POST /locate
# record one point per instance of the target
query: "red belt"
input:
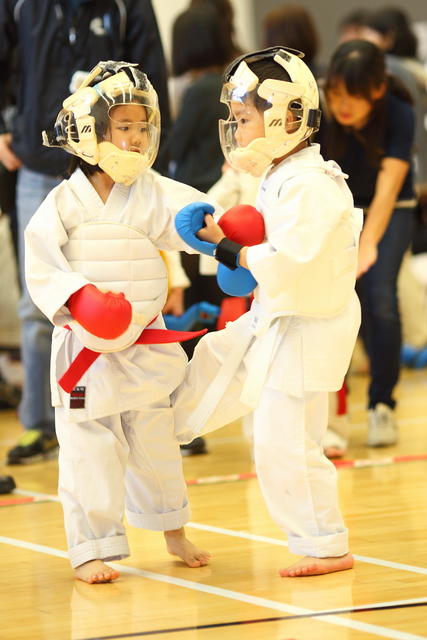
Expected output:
(87, 357)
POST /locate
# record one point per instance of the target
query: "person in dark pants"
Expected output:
(370, 132)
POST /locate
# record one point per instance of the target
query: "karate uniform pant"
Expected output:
(298, 482)
(127, 463)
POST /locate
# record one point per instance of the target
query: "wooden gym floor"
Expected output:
(240, 595)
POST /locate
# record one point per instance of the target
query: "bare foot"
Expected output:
(334, 452)
(317, 566)
(96, 571)
(179, 545)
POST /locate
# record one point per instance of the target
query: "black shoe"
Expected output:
(34, 445)
(10, 395)
(7, 484)
(194, 448)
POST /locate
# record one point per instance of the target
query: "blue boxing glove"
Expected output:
(189, 220)
(237, 283)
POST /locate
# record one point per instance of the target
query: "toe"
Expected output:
(203, 558)
(195, 562)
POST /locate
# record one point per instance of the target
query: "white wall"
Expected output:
(167, 10)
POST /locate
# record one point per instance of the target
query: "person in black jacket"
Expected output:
(55, 41)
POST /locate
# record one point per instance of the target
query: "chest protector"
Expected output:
(116, 257)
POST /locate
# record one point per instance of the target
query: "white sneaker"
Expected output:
(382, 427)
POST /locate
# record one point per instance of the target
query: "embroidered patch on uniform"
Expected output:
(77, 398)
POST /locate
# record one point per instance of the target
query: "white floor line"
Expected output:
(391, 565)
(283, 543)
(256, 538)
(331, 618)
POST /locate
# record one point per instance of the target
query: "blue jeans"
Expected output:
(35, 410)
(377, 289)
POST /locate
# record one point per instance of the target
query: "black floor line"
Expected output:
(156, 632)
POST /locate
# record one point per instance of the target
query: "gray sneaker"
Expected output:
(382, 427)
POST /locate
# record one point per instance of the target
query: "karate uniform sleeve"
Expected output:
(49, 277)
(226, 191)
(171, 196)
(234, 187)
(298, 227)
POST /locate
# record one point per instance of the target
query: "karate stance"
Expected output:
(94, 268)
(294, 345)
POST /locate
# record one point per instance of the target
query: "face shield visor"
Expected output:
(266, 119)
(128, 131)
(129, 128)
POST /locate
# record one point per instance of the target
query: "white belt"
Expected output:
(263, 354)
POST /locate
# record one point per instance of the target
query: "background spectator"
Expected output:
(369, 132)
(292, 25)
(390, 29)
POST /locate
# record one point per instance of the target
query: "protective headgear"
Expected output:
(290, 109)
(112, 120)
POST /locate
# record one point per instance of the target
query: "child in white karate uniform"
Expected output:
(294, 345)
(93, 266)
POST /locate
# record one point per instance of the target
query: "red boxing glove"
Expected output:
(243, 224)
(105, 315)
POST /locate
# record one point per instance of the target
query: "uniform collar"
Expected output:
(92, 201)
(309, 157)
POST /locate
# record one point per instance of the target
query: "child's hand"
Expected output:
(212, 232)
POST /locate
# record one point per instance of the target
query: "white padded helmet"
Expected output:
(298, 96)
(82, 126)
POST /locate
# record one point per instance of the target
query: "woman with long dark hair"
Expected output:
(368, 129)
(390, 29)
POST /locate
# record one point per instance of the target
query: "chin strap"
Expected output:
(313, 119)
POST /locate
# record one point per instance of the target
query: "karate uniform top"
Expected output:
(306, 271)
(305, 314)
(124, 379)
(299, 334)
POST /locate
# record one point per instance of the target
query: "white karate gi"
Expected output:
(121, 445)
(291, 348)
